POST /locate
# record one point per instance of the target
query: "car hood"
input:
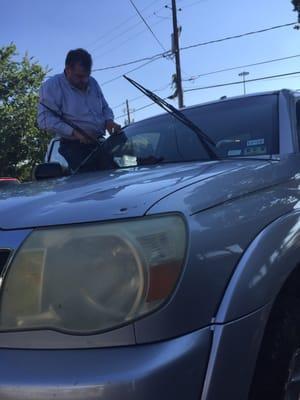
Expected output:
(105, 195)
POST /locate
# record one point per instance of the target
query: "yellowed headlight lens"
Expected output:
(93, 277)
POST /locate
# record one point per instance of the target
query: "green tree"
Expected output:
(22, 143)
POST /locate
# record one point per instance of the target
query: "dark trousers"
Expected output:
(75, 152)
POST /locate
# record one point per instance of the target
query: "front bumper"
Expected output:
(172, 369)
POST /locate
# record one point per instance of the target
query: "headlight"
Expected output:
(93, 277)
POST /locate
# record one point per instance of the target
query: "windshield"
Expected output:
(242, 127)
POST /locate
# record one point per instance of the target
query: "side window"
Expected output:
(154, 137)
(145, 145)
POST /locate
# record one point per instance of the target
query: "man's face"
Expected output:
(78, 76)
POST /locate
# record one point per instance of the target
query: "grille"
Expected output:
(4, 255)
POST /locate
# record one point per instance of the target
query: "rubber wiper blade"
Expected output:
(249, 158)
(206, 141)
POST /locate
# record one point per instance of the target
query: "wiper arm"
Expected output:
(204, 139)
(70, 123)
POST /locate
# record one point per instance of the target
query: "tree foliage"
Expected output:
(22, 143)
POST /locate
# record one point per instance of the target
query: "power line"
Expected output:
(215, 72)
(285, 78)
(106, 43)
(241, 66)
(167, 53)
(120, 34)
(234, 36)
(132, 70)
(240, 82)
(139, 109)
(159, 55)
(290, 74)
(214, 41)
(148, 26)
(237, 36)
(126, 41)
(184, 6)
(116, 27)
(141, 97)
(160, 16)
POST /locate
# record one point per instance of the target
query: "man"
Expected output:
(78, 97)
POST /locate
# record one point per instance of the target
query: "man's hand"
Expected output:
(112, 127)
(83, 139)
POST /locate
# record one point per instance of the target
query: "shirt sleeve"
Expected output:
(106, 110)
(50, 94)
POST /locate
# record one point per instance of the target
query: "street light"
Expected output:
(243, 75)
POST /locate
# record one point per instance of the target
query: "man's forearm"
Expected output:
(53, 124)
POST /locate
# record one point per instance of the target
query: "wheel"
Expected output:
(277, 373)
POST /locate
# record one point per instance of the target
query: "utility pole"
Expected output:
(243, 75)
(128, 112)
(177, 55)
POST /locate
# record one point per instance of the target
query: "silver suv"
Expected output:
(173, 276)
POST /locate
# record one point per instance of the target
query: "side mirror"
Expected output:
(48, 171)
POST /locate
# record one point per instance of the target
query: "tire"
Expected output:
(279, 350)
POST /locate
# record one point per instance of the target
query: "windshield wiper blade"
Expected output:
(249, 158)
(205, 139)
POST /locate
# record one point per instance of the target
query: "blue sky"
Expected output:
(113, 33)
